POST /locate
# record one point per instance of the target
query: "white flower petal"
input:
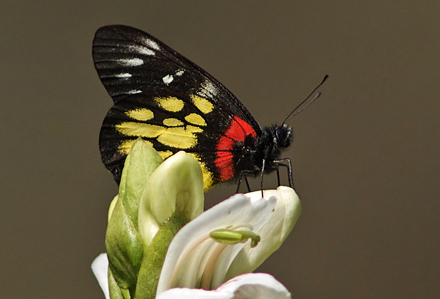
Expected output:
(273, 234)
(255, 286)
(194, 259)
(100, 269)
(247, 286)
(184, 293)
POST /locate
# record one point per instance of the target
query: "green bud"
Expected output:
(124, 244)
(155, 200)
(176, 185)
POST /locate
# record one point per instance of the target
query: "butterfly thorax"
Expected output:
(268, 147)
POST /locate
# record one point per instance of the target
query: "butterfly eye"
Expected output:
(283, 135)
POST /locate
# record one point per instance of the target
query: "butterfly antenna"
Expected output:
(304, 104)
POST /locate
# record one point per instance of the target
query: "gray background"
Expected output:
(365, 154)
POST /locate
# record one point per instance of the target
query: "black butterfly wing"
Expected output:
(167, 100)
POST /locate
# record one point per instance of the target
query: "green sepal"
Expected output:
(115, 291)
(140, 163)
(154, 256)
(124, 248)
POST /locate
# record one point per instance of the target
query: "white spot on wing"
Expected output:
(151, 43)
(131, 62)
(168, 79)
(180, 73)
(208, 90)
(134, 91)
(123, 75)
(143, 50)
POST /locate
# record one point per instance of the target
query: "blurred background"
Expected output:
(365, 154)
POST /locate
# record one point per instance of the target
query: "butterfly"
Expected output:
(174, 105)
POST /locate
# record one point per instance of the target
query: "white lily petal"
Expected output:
(247, 286)
(100, 269)
(274, 232)
(194, 259)
(184, 293)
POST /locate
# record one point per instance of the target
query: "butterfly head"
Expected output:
(275, 139)
(283, 135)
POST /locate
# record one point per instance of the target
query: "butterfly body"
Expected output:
(174, 105)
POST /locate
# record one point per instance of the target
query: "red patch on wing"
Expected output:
(237, 131)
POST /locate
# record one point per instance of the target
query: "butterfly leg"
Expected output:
(247, 183)
(243, 174)
(278, 176)
(285, 162)
(263, 167)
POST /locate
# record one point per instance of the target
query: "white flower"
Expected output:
(246, 286)
(196, 262)
(250, 285)
(100, 269)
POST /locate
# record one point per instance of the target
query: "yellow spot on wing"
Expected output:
(207, 175)
(165, 154)
(142, 114)
(171, 104)
(195, 119)
(193, 129)
(172, 122)
(178, 137)
(202, 104)
(125, 146)
(139, 129)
